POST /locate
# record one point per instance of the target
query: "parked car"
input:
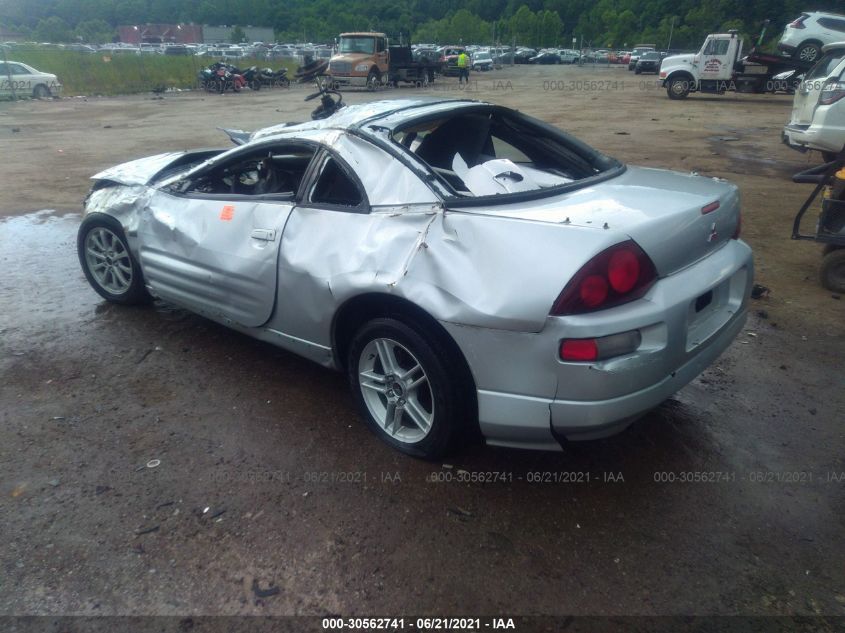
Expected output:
(569, 56)
(448, 58)
(804, 37)
(519, 283)
(648, 63)
(24, 80)
(177, 49)
(523, 55)
(482, 61)
(818, 108)
(546, 57)
(635, 55)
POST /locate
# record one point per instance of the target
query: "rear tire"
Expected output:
(808, 52)
(832, 272)
(107, 262)
(408, 388)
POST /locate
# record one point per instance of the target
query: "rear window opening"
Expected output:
(826, 65)
(491, 152)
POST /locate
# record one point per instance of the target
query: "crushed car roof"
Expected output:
(388, 112)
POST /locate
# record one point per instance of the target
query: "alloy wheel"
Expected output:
(108, 260)
(396, 390)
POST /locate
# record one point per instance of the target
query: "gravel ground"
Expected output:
(270, 497)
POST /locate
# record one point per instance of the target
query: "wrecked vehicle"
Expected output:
(472, 269)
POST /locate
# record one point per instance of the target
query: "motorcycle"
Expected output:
(273, 78)
(252, 77)
(223, 77)
(328, 103)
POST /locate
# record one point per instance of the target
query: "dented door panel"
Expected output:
(213, 256)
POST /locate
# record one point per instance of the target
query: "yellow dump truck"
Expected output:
(367, 60)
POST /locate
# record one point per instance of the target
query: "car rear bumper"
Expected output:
(819, 135)
(787, 48)
(528, 398)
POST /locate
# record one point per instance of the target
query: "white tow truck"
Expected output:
(719, 67)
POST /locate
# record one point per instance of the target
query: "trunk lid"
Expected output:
(672, 216)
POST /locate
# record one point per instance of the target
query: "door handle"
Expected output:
(265, 235)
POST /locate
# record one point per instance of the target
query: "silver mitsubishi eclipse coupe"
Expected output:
(473, 270)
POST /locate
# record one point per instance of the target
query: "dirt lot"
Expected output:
(267, 475)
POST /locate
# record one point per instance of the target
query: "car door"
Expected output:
(717, 58)
(215, 251)
(15, 78)
(831, 29)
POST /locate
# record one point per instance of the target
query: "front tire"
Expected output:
(373, 80)
(41, 92)
(678, 88)
(406, 385)
(107, 262)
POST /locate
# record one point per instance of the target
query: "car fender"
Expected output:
(677, 74)
(458, 267)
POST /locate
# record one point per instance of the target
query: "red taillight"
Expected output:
(593, 291)
(579, 349)
(798, 24)
(617, 275)
(832, 91)
(623, 270)
(738, 229)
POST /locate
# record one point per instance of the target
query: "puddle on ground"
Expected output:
(737, 145)
(42, 286)
(42, 281)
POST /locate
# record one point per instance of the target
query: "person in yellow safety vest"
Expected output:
(463, 67)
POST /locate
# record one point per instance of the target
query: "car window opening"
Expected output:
(335, 187)
(483, 154)
(268, 171)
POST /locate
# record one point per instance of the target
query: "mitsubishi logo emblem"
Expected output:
(713, 233)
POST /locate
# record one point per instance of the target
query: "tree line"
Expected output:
(596, 23)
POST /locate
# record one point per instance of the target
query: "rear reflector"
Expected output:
(581, 349)
(710, 208)
(593, 349)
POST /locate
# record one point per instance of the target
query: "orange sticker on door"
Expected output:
(227, 213)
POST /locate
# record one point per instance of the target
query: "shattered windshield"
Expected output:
(357, 45)
(493, 152)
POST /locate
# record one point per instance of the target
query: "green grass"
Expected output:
(107, 73)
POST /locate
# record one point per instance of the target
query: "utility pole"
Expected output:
(671, 29)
